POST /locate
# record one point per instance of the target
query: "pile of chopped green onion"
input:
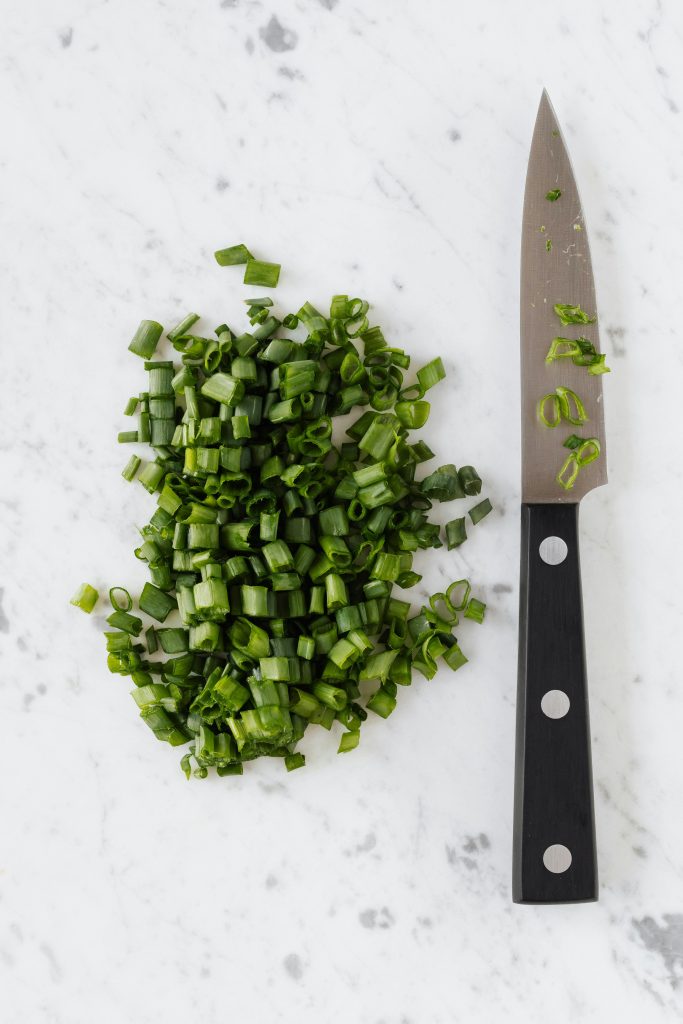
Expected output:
(276, 548)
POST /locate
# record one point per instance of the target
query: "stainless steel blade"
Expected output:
(556, 267)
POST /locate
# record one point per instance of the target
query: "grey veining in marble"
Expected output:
(374, 148)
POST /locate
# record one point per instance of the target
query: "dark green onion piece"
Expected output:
(155, 602)
(455, 533)
(261, 273)
(553, 195)
(146, 338)
(232, 256)
(478, 512)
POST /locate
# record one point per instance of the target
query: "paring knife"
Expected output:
(554, 858)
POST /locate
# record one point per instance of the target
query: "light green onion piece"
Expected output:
(85, 598)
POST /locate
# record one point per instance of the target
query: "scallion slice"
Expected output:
(275, 544)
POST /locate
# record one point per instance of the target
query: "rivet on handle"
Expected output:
(553, 550)
(557, 858)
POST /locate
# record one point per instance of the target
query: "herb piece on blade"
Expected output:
(572, 314)
(277, 541)
(553, 195)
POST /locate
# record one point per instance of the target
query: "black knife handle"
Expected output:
(553, 779)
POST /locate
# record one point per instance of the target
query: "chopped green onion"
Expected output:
(146, 338)
(232, 256)
(278, 543)
(572, 314)
(131, 467)
(155, 602)
(478, 512)
(348, 741)
(553, 195)
(455, 533)
(261, 273)
(85, 598)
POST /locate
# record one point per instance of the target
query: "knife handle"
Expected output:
(553, 779)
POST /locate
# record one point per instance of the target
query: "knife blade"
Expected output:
(554, 850)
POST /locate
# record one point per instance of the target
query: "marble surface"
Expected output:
(377, 148)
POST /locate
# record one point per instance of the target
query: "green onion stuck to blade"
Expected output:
(275, 547)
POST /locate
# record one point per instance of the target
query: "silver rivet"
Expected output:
(552, 550)
(555, 704)
(557, 858)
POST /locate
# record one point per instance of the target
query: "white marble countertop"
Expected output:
(377, 148)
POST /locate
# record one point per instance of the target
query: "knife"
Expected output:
(554, 857)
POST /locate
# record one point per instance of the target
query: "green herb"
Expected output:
(265, 274)
(561, 401)
(232, 256)
(275, 546)
(478, 512)
(581, 351)
(572, 314)
(553, 195)
(582, 454)
(548, 245)
(85, 598)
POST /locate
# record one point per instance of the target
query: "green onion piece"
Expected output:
(562, 348)
(573, 442)
(182, 327)
(155, 602)
(120, 604)
(412, 414)
(572, 314)
(567, 475)
(588, 451)
(126, 436)
(131, 407)
(475, 610)
(131, 467)
(553, 195)
(261, 273)
(454, 657)
(126, 622)
(556, 415)
(478, 512)
(566, 395)
(85, 598)
(294, 761)
(223, 388)
(431, 374)
(348, 741)
(146, 338)
(598, 366)
(382, 703)
(455, 533)
(470, 481)
(443, 485)
(232, 256)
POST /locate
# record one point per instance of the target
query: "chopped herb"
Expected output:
(561, 404)
(577, 227)
(548, 245)
(276, 546)
(85, 598)
(581, 351)
(572, 314)
(553, 195)
(555, 133)
(583, 454)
